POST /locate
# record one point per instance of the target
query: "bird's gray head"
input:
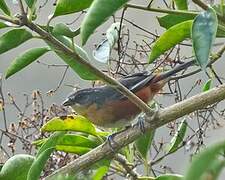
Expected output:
(79, 98)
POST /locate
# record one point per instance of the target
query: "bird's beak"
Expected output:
(67, 102)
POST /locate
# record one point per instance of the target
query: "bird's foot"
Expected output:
(141, 123)
(111, 141)
(141, 119)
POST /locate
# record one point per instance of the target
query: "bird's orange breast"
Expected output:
(120, 112)
(117, 113)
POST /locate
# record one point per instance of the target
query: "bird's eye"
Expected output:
(82, 99)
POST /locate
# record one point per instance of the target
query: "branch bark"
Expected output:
(124, 138)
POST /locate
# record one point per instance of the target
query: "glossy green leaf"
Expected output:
(38, 165)
(72, 140)
(30, 3)
(100, 173)
(203, 35)
(78, 67)
(25, 59)
(43, 155)
(4, 7)
(73, 149)
(169, 177)
(170, 20)
(181, 4)
(170, 38)
(203, 161)
(62, 29)
(51, 142)
(143, 144)
(13, 38)
(178, 137)
(77, 140)
(3, 25)
(99, 12)
(70, 123)
(207, 85)
(71, 6)
(16, 167)
(103, 133)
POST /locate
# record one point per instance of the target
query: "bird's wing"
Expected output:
(133, 82)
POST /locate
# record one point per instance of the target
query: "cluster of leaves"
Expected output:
(202, 28)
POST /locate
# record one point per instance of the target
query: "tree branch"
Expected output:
(124, 163)
(124, 138)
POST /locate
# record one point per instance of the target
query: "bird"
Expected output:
(106, 107)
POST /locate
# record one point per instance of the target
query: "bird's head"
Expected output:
(79, 100)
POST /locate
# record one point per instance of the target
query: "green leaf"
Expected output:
(73, 149)
(70, 6)
(203, 35)
(143, 143)
(220, 31)
(38, 165)
(71, 140)
(169, 177)
(30, 3)
(170, 38)
(3, 25)
(77, 140)
(51, 142)
(178, 137)
(4, 7)
(16, 167)
(43, 155)
(78, 67)
(100, 169)
(214, 170)
(25, 59)
(13, 38)
(100, 173)
(203, 161)
(181, 4)
(99, 12)
(207, 85)
(219, 8)
(62, 29)
(70, 123)
(170, 20)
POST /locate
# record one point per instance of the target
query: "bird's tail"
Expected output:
(168, 74)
